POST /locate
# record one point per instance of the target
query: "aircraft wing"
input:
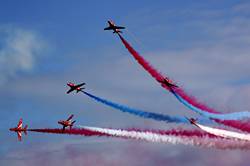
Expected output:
(71, 116)
(108, 28)
(70, 90)
(173, 85)
(118, 27)
(79, 85)
(20, 123)
(19, 135)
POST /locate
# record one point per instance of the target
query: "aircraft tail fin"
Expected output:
(72, 123)
(80, 90)
(117, 31)
(25, 132)
(70, 117)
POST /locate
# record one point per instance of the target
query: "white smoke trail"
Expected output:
(147, 136)
(224, 133)
(206, 142)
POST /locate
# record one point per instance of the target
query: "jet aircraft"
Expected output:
(168, 83)
(112, 26)
(67, 123)
(192, 121)
(73, 87)
(19, 129)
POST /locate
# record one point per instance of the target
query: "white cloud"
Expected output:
(19, 50)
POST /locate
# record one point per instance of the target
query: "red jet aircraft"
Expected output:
(168, 83)
(19, 129)
(73, 87)
(112, 26)
(192, 121)
(67, 123)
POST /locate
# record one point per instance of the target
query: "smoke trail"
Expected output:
(226, 116)
(186, 137)
(188, 101)
(150, 136)
(140, 113)
(224, 133)
(73, 131)
(159, 77)
(82, 130)
(173, 132)
(241, 125)
(182, 96)
(147, 136)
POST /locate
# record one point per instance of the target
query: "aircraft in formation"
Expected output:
(73, 87)
(67, 123)
(166, 81)
(78, 88)
(192, 121)
(19, 129)
(112, 26)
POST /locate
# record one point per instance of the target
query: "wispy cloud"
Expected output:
(19, 50)
(243, 8)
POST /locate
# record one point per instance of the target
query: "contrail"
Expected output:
(187, 100)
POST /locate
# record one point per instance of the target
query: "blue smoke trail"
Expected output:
(140, 113)
(226, 116)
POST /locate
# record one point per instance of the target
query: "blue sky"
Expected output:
(202, 45)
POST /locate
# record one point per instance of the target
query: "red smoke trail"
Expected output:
(154, 73)
(86, 132)
(241, 125)
(73, 131)
(159, 77)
